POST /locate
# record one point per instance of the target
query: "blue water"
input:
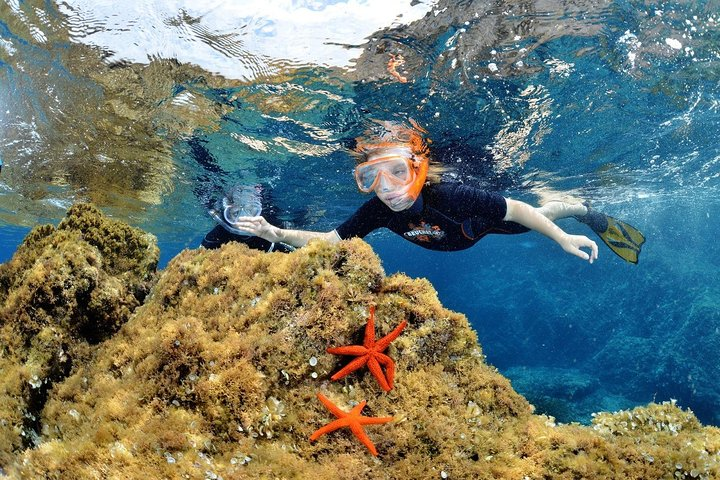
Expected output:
(622, 109)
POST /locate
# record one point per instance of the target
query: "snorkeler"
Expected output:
(412, 202)
(241, 200)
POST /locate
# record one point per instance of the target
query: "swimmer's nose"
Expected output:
(384, 185)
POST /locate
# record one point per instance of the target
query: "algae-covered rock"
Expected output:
(64, 290)
(217, 376)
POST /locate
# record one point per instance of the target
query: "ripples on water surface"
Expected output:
(150, 109)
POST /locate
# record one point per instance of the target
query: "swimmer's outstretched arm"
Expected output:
(260, 227)
(526, 215)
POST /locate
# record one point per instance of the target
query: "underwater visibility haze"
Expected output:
(151, 110)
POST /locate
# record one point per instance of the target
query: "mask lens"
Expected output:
(366, 175)
(395, 169)
(232, 213)
(399, 170)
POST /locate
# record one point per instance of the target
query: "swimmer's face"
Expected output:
(391, 174)
(397, 198)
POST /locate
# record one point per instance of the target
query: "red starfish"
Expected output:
(351, 419)
(370, 352)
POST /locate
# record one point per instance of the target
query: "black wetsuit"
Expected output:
(445, 217)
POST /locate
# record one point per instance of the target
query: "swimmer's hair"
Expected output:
(390, 134)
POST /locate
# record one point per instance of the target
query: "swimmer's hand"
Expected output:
(259, 227)
(572, 244)
(524, 214)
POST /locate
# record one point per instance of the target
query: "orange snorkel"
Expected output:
(421, 169)
(420, 150)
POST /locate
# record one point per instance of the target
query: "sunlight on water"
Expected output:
(486, 82)
(245, 40)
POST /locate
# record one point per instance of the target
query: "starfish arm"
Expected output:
(370, 329)
(362, 436)
(331, 406)
(330, 427)
(383, 343)
(377, 372)
(390, 374)
(355, 412)
(350, 367)
(375, 420)
(383, 359)
(389, 365)
(355, 350)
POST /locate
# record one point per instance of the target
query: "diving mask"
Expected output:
(395, 165)
(242, 201)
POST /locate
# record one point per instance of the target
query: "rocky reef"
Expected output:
(65, 290)
(216, 374)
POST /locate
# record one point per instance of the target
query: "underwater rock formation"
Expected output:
(557, 391)
(65, 290)
(216, 376)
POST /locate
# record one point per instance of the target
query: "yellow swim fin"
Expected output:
(622, 238)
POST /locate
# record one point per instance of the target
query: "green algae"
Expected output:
(216, 375)
(64, 290)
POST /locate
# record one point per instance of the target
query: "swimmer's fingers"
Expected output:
(251, 220)
(257, 226)
(577, 242)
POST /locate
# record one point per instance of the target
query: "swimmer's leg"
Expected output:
(556, 210)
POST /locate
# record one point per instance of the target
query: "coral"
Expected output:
(64, 290)
(216, 376)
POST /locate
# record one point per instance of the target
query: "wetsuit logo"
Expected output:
(424, 232)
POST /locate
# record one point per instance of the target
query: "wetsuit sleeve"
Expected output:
(370, 216)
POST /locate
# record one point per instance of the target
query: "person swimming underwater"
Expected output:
(241, 200)
(411, 201)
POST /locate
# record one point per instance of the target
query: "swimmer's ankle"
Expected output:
(557, 209)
